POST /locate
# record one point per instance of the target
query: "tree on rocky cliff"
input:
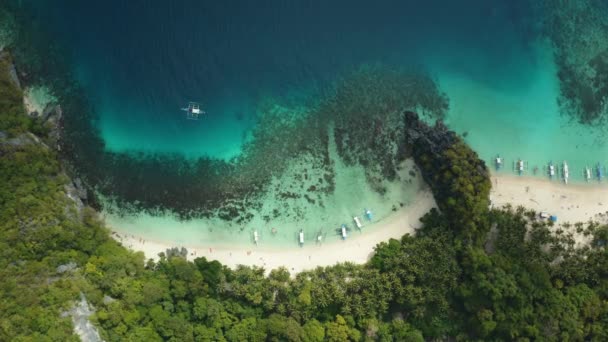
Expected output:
(458, 178)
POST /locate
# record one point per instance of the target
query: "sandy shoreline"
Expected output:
(570, 203)
(357, 248)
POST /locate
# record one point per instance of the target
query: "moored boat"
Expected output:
(498, 162)
(519, 166)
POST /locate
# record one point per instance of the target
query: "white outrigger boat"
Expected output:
(343, 231)
(566, 172)
(301, 237)
(520, 166)
(193, 111)
(498, 162)
(255, 237)
(551, 170)
(587, 173)
(357, 222)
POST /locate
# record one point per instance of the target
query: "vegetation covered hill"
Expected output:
(470, 273)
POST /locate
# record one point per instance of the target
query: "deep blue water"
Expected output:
(140, 61)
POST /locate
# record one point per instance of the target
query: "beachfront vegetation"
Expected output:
(470, 273)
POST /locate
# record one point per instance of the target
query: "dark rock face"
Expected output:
(367, 109)
(21, 140)
(458, 178)
(52, 117)
(433, 140)
(12, 72)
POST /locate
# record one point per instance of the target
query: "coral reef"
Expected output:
(579, 32)
(367, 109)
(359, 114)
(361, 117)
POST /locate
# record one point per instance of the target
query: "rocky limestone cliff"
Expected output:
(15, 142)
(459, 180)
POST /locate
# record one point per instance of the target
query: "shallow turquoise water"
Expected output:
(140, 62)
(520, 118)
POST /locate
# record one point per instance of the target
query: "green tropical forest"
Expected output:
(470, 273)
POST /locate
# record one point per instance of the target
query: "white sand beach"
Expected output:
(570, 203)
(356, 248)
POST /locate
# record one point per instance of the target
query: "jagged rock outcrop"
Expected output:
(12, 71)
(80, 314)
(21, 140)
(51, 117)
(431, 139)
(70, 266)
(460, 181)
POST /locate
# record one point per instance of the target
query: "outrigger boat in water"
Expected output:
(498, 162)
(520, 166)
(599, 172)
(587, 173)
(193, 111)
(551, 170)
(343, 231)
(566, 172)
(301, 237)
(255, 237)
(357, 222)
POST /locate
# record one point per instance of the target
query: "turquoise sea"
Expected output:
(141, 61)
